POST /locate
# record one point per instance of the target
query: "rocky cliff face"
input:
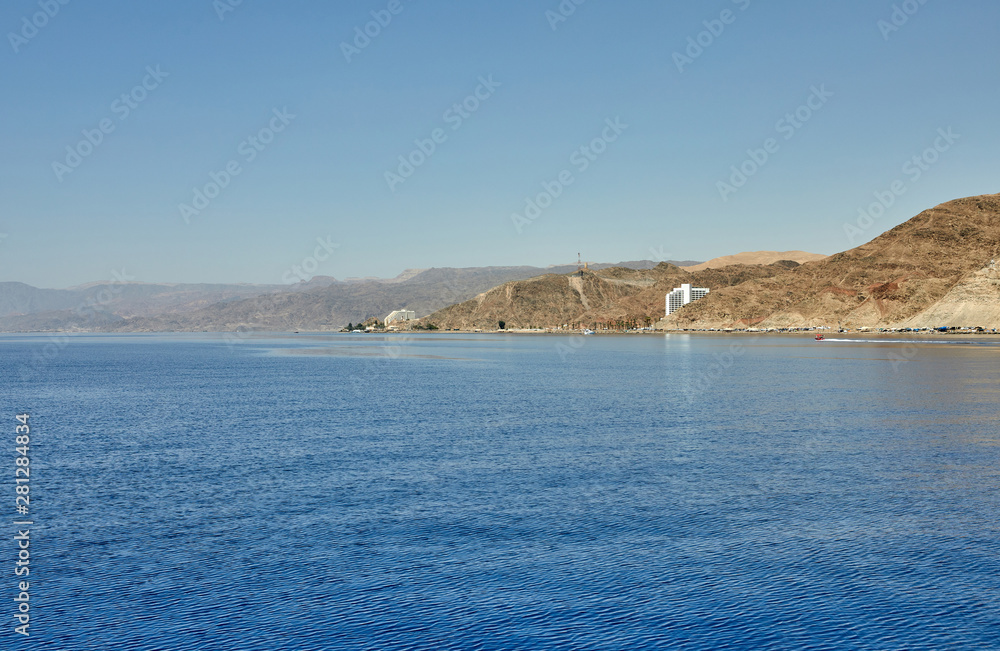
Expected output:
(923, 271)
(607, 297)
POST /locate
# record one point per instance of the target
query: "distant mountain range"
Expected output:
(323, 303)
(26, 308)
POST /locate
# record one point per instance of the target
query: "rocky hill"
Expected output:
(932, 270)
(608, 297)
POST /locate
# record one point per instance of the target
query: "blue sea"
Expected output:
(447, 491)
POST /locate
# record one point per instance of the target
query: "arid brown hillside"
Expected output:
(589, 298)
(933, 268)
(896, 278)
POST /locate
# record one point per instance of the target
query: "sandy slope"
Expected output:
(974, 301)
(756, 257)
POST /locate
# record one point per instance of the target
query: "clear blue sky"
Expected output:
(653, 189)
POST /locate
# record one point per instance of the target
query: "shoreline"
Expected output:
(287, 333)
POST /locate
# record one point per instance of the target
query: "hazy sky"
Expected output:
(623, 119)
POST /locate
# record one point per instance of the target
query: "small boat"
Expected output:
(819, 337)
(588, 331)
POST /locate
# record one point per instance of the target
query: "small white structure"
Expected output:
(683, 295)
(399, 315)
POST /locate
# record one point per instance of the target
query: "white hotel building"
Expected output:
(683, 295)
(399, 315)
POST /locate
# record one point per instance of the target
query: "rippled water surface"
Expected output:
(491, 492)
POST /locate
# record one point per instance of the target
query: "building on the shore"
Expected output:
(683, 295)
(399, 315)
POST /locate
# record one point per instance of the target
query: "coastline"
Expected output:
(957, 332)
